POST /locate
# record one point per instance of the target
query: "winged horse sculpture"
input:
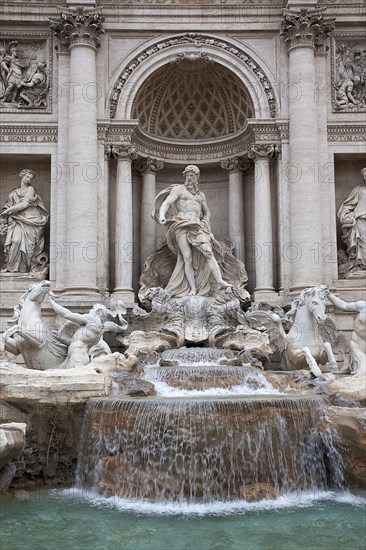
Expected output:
(312, 332)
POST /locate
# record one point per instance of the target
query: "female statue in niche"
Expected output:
(352, 216)
(23, 219)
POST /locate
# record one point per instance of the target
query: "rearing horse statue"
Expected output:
(29, 334)
(309, 340)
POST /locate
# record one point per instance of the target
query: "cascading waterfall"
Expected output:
(244, 380)
(197, 356)
(200, 450)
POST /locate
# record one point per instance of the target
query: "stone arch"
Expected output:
(231, 55)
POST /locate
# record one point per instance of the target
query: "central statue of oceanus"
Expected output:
(191, 261)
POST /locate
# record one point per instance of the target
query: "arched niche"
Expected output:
(233, 56)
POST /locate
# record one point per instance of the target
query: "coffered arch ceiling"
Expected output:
(192, 99)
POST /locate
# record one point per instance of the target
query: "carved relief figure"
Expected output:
(352, 217)
(24, 217)
(357, 345)
(13, 70)
(350, 80)
(32, 92)
(23, 79)
(189, 236)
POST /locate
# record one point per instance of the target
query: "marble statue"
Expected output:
(352, 217)
(75, 343)
(27, 333)
(311, 335)
(215, 322)
(23, 219)
(87, 331)
(191, 262)
(188, 236)
(357, 345)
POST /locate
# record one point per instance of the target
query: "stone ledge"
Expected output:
(58, 386)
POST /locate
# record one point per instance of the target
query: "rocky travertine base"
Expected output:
(351, 423)
(52, 405)
(12, 440)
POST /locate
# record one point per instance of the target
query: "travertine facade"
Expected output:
(107, 102)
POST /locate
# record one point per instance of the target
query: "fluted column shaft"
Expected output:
(304, 32)
(124, 225)
(263, 235)
(62, 172)
(82, 204)
(78, 30)
(148, 224)
(236, 205)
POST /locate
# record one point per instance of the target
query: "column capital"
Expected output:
(148, 165)
(306, 28)
(78, 26)
(263, 151)
(120, 152)
(235, 163)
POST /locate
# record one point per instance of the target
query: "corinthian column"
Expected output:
(304, 32)
(148, 169)
(261, 154)
(79, 30)
(123, 224)
(236, 204)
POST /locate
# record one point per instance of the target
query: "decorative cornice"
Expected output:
(78, 26)
(306, 28)
(266, 131)
(262, 151)
(191, 152)
(10, 133)
(198, 40)
(346, 133)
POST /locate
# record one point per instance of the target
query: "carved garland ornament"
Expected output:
(197, 40)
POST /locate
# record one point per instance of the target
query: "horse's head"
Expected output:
(316, 301)
(38, 291)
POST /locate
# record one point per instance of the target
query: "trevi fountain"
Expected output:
(183, 261)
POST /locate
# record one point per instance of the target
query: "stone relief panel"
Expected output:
(349, 73)
(25, 72)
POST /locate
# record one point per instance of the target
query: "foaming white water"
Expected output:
(164, 390)
(295, 500)
(186, 357)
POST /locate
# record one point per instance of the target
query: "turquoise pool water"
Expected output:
(72, 520)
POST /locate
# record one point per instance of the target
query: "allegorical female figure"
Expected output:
(24, 220)
(352, 217)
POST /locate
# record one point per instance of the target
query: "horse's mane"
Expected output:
(301, 300)
(18, 308)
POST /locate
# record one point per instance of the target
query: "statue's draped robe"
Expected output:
(165, 268)
(24, 241)
(354, 236)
